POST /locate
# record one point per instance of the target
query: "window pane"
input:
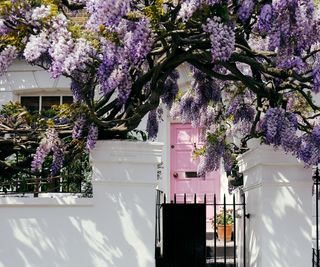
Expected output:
(49, 101)
(67, 100)
(31, 103)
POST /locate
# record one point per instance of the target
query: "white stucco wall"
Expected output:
(22, 78)
(115, 228)
(279, 200)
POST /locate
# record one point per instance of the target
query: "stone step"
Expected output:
(220, 252)
(220, 264)
(220, 248)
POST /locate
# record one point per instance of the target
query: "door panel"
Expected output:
(184, 161)
(183, 135)
(184, 139)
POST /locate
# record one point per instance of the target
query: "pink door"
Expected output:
(183, 174)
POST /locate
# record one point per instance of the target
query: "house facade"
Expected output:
(33, 87)
(277, 189)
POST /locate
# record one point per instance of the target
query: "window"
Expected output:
(42, 103)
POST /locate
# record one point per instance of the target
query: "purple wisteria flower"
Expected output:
(40, 13)
(293, 29)
(67, 54)
(233, 106)
(222, 39)
(7, 56)
(92, 136)
(187, 9)
(51, 143)
(280, 129)
(138, 41)
(309, 151)
(111, 59)
(265, 17)
(37, 45)
(3, 28)
(170, 89)
(227, 161)
(244, 112)
(189, 110)
(107, 13)
(57, 159)
(78, 128)
(152, 124)
(205, 88)
(120, 79)
(213, 154)
(76, 89)
(316, 77)
(207, 117)
(245, 10)
(79, 55)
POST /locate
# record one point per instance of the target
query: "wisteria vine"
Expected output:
(254, 67)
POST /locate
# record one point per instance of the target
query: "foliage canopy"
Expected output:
(255, 67)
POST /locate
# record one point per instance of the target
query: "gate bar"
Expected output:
(234, 232)
(317, 218)
(244, 229)
(215, 229)
(225, 230)
(156, 226)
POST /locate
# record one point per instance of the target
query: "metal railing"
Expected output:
(35, 186)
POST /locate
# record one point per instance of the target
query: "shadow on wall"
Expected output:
(115, 231)
(282, 235)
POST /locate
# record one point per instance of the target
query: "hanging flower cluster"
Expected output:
(254, 68)
(222, 39)
(51, 143)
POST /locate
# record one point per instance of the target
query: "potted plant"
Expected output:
(224, 223)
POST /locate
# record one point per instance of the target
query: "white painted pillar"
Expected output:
(124, 183)
(279, 199)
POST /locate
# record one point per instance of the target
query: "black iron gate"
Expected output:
(315, 195)
(182, 239)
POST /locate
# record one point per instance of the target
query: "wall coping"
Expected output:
(265, 155)
(269, 184)
(127, 151)
(67, 201)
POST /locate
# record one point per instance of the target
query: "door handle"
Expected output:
(175, 175)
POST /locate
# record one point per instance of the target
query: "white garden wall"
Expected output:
(278, 191)
(113, 229)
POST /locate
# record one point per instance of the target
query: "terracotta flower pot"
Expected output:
(229, 228)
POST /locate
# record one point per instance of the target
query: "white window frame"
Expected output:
(41, 94)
